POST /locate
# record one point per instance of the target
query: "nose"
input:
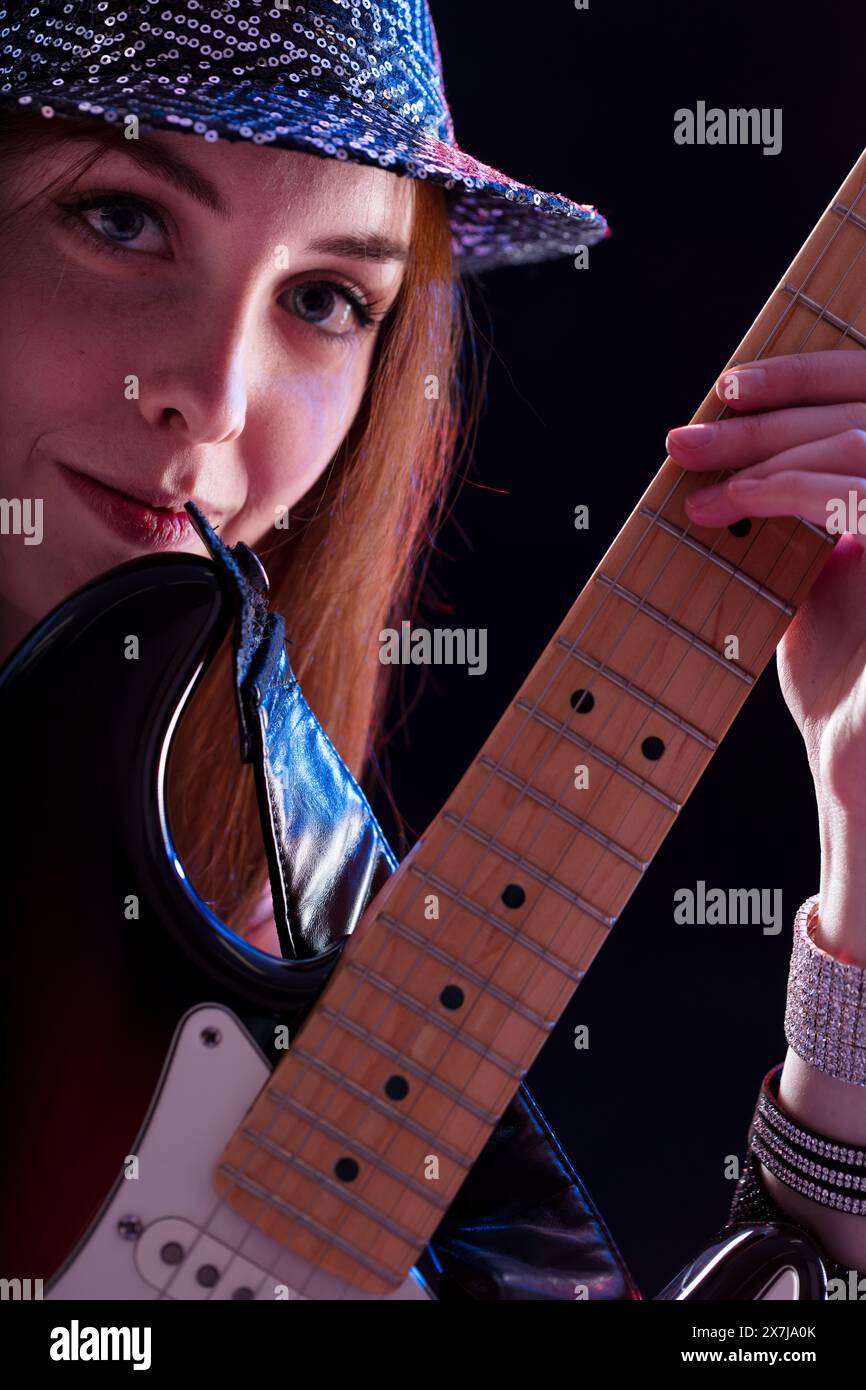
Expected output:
(197, 386)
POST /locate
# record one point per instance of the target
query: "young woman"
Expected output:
(265, 331)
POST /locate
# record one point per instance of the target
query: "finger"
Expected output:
(803, 378)
(743, 440)
(841, 453)
(817, 497)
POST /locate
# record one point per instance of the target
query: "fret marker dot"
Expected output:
(452, 997)
(346, 1169)
(513, 895)
(396, 1088)
(652, 748)
(582, 701)
(740, 528)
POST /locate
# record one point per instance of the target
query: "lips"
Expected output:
(156, 521)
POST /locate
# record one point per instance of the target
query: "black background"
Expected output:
(590, 369)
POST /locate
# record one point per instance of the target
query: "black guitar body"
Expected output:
(93, 986)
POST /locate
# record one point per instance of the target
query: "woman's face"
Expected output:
(179, 343)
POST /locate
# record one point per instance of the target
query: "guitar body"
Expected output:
(107, 948)
(165, 1234)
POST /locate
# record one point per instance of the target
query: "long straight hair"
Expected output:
(355, 557)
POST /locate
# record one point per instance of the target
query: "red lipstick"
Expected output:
(136, 520)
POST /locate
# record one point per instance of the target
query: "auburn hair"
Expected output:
(355, 557)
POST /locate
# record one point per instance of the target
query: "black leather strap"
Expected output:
(326, 854)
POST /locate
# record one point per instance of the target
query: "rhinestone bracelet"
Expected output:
(792, 1153)
(825, 1017)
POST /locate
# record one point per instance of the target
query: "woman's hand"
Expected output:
(803, 455)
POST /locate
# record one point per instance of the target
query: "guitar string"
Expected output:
(788, 309)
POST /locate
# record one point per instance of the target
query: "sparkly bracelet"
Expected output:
(822, 1169)
(825, 1018)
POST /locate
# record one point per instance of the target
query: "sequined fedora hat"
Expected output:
(343, 79)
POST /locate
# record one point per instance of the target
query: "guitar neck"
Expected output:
(466, 959)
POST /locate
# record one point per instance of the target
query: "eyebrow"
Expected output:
(373, 246)
(155, 160)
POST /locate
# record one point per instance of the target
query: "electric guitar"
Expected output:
(322, 1172)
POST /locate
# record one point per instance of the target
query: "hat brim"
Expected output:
(495, 220)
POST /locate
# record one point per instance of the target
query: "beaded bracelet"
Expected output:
(824, 1170)
(825, 1017)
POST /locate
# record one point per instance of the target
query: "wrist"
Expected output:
(841, 928)
(837, 1110)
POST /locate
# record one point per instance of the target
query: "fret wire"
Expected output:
(819, 531)
(436, 1020)
(717, 560)
(789, 307)
(530, 869)
(325, 1233)
(832, 319)
(665, 621)
(588, 747)
(463, 900)
(372, 1101)
(631, 689)
(516, 1005)
(849, 216)
(811, 270)
(337, 1189)
(406, 1063)
(562, 813)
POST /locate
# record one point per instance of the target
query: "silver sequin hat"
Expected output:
(344, 79)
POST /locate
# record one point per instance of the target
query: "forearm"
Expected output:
(814, 1099)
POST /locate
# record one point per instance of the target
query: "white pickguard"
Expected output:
(202, 1097)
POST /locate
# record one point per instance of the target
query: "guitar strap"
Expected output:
(523, 1225)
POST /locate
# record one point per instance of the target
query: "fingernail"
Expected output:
(705, 495)
(691, 436)
(740, 382)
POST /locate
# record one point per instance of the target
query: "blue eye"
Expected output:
(326, 307)
(116, 224)
(121, 221)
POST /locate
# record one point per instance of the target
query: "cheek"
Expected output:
(328, 400)
(61, 358)
(311, 413)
